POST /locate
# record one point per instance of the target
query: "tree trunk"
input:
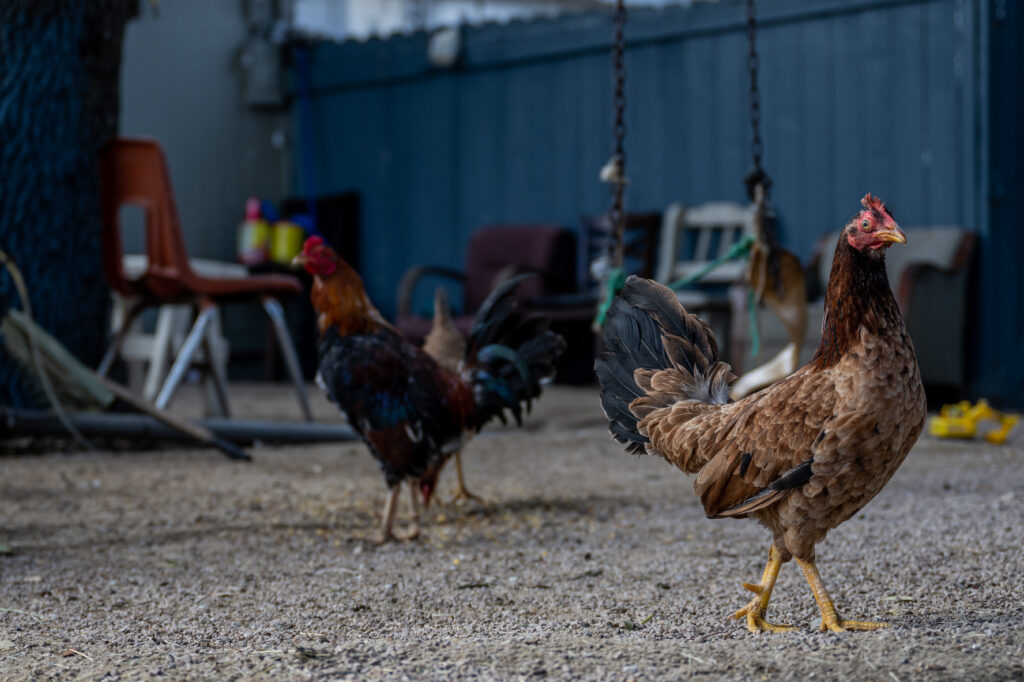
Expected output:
(60, 64)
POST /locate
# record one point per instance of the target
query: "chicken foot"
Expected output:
(757, 608)
(830, 620)
(462, 493)
(390, 506)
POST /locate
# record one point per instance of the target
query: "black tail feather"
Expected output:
(647, 328)
(510, 352)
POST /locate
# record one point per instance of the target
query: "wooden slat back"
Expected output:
(713, 228)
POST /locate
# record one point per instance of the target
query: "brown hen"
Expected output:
(444, 342)
(447, 346)
(800, 456)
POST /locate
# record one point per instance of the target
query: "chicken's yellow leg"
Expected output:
(758, 606)
(829, 619)
(462, 493)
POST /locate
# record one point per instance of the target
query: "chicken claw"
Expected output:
(462, 493)
(756, 622)
(844, 625)
(830, 620)
(383, 539)
(755, 611)
(758, 606)
(391, 536)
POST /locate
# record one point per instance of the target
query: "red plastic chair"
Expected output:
(133, 171)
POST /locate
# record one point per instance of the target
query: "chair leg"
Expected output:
(216, 365)
(291, 359)
(115, 344)
(184, 359)
(167, 323)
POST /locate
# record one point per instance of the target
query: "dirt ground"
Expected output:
(584, 563)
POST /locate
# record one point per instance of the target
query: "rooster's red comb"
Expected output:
(873, 202)
(315, 240)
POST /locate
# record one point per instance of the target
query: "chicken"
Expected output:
(800, 456)
(446, 345)
(411, 412)
(445, 342)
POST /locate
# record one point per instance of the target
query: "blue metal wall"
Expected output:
(887, 96)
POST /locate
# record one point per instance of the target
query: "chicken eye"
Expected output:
(865, 224)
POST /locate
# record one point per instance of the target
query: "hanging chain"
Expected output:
(616, 215)
(758, 181)
(756, 175)
(614, 172)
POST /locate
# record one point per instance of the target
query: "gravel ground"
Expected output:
(585, 563)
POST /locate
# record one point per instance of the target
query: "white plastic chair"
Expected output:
(692, 237)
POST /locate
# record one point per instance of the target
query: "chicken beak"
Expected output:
(892, 235)
(299, 260)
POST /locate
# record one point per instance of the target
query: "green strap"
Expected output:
(617, 279)
(740, 248)
(613, 285)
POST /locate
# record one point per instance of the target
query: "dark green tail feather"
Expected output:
(510, 352)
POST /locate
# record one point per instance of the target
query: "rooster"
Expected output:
(446, 345)
(800, 456)
(411, 412)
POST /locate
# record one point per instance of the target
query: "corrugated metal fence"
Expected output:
(887, 96)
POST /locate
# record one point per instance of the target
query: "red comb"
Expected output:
(312, 241)
(873, 202)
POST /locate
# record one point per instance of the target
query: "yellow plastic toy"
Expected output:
(961, 421)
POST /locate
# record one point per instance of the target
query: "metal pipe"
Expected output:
(184, 359)
(38, 422)
(284, 340)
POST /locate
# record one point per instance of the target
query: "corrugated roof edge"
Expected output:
(347, 64)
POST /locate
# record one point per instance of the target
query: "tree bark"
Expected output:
(60, 64)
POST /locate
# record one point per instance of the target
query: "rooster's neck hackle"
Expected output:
(341, 302)
(858, 296)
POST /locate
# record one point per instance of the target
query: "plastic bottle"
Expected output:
(253, 235)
